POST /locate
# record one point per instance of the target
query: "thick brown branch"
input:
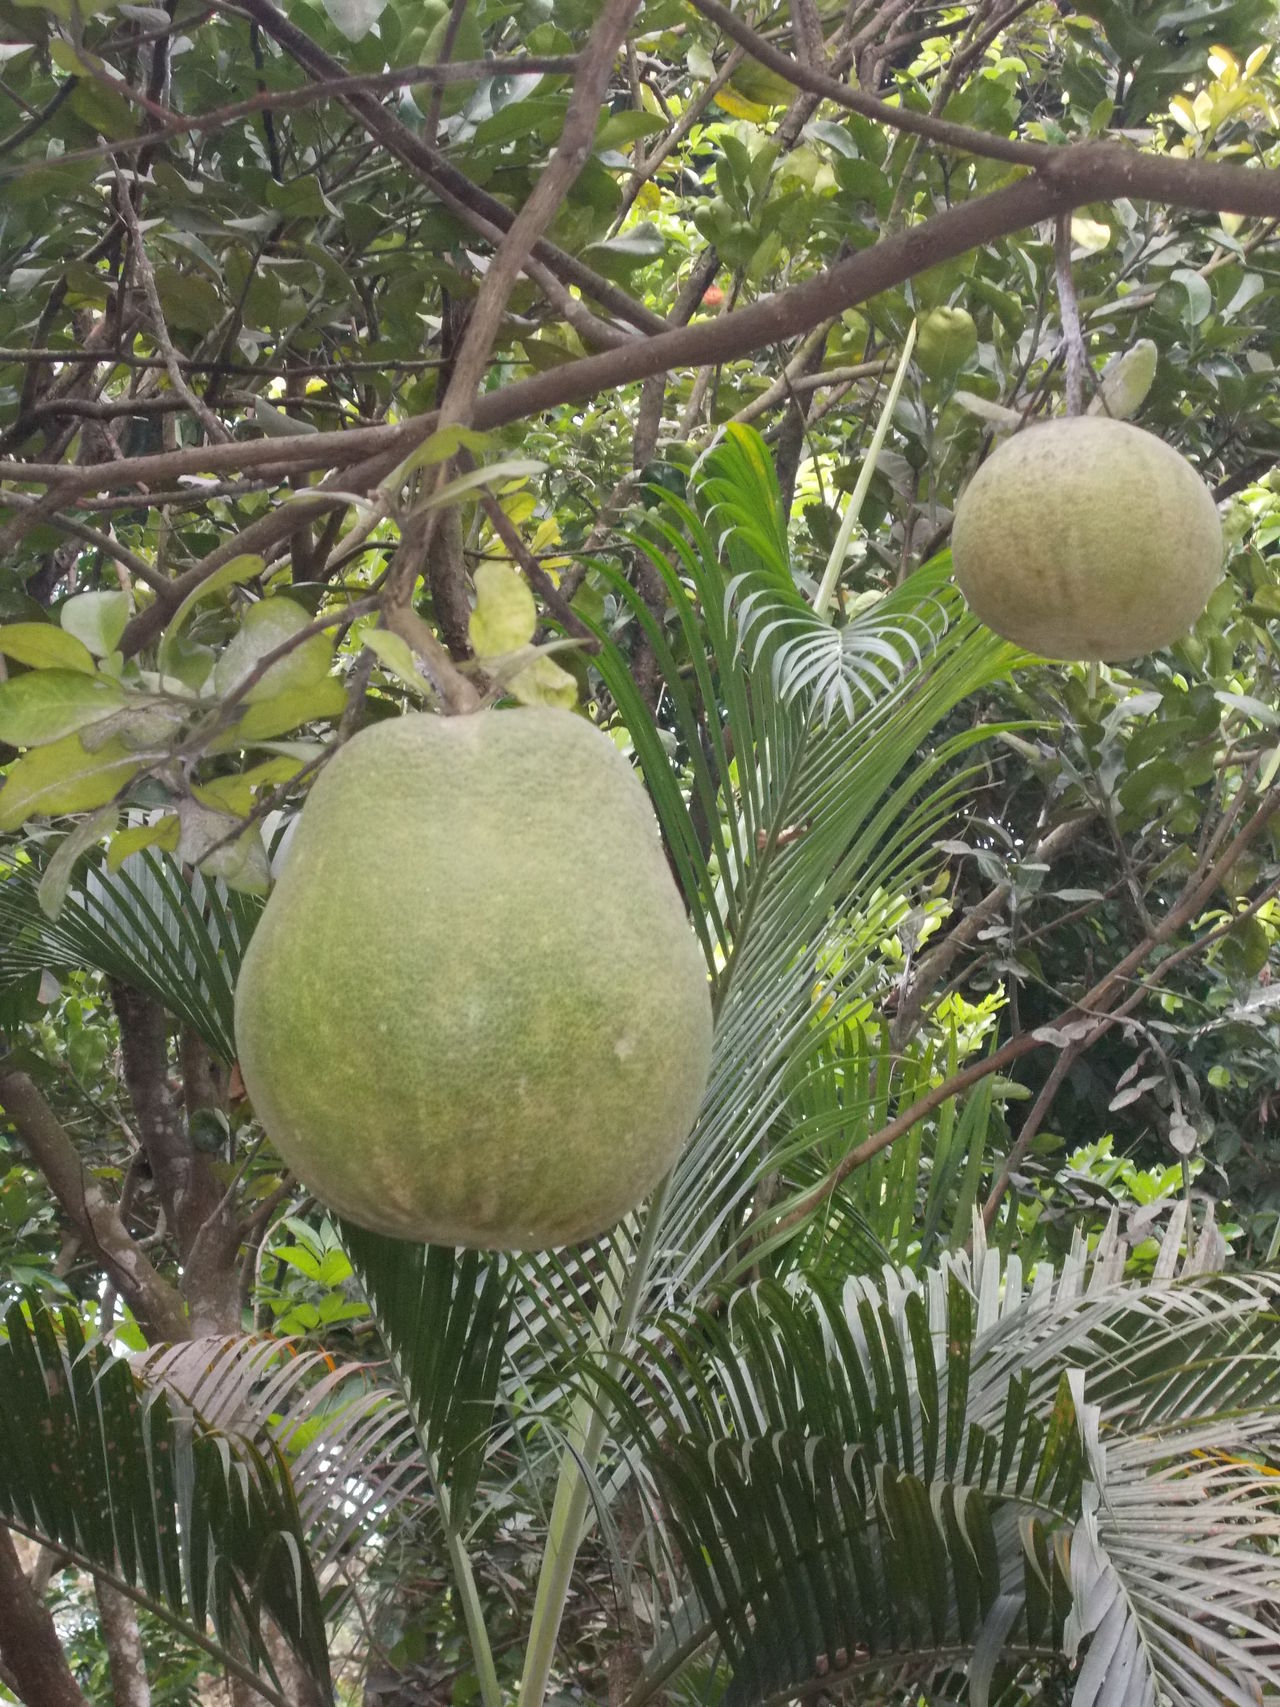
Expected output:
(83, 1200)
(33, 1655)
(125, 1657)
(203, 1224)
(1068, 178)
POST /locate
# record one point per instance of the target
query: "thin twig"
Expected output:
(141, 266)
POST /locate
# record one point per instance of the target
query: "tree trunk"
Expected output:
(129, 1685)
(29, 1644)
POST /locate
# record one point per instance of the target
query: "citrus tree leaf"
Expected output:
(231, 574)
(96, 619)
(53, 886)
(48, 704)
(65, 777)
(162, 834)
(44, 647)
(285, 711)
(265, 627)
(544, 683)
(396, 654)
(505, 615)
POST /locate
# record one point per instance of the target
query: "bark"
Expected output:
(447, 580)
(188, 1189)
(151, 1298)
(194, 1201)
(790, 442)
(204, 1080)
(29, 1644)
(129, 1685)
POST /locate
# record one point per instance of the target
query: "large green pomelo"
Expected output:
(473, 1012)
(1087, 538)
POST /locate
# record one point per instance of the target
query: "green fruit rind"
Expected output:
(473, 1012)
(1087, 538)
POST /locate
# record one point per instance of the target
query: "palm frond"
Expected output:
(201, 1524)
(445, 1319)
(926, 1466)
(177, 938)
(783, 824)
(341, 1426)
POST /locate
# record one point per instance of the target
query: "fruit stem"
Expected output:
(587, 1429)
(835, 563)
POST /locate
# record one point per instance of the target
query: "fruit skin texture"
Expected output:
(1087, 538)
(473, 1011)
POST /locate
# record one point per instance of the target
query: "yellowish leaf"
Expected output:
(505, 615)
(64, 777)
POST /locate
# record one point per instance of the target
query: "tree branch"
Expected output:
(1095, 1005)
(453, 189)
(125, 1657)
(553, 184)
(1069, 177)
(29, 1643)
(152, 1299)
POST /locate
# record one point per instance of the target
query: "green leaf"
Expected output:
(52, 890)
(444, 1316)
(45, 705)
(177, 938)
(544, 683)
(64, 777)
(505, 615)
(265, 627)
(439, 447)
(617, 130)
(276, 716)
(231, 574)
(202, 1525)
(355, 18)
(636, 247)
(396, 654)
(1126, 380)
(242, 863)
(492, 474)
(162, 834)
(96, 619)
(44, 647)
(276, 424)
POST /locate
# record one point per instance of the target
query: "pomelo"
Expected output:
(1087, 538)
(473, 1011)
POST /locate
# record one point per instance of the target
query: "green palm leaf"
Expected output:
(785, 824)
(445, 1319)
(177, 938)
(200, 1525)
(918, 1467)
(344, 1430)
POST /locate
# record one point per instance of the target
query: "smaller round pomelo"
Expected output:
(1087, 538)
(473, 1011)
(946, 338)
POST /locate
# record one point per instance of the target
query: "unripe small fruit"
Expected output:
(1087, 538)
(945, 340)
(473, 1011)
